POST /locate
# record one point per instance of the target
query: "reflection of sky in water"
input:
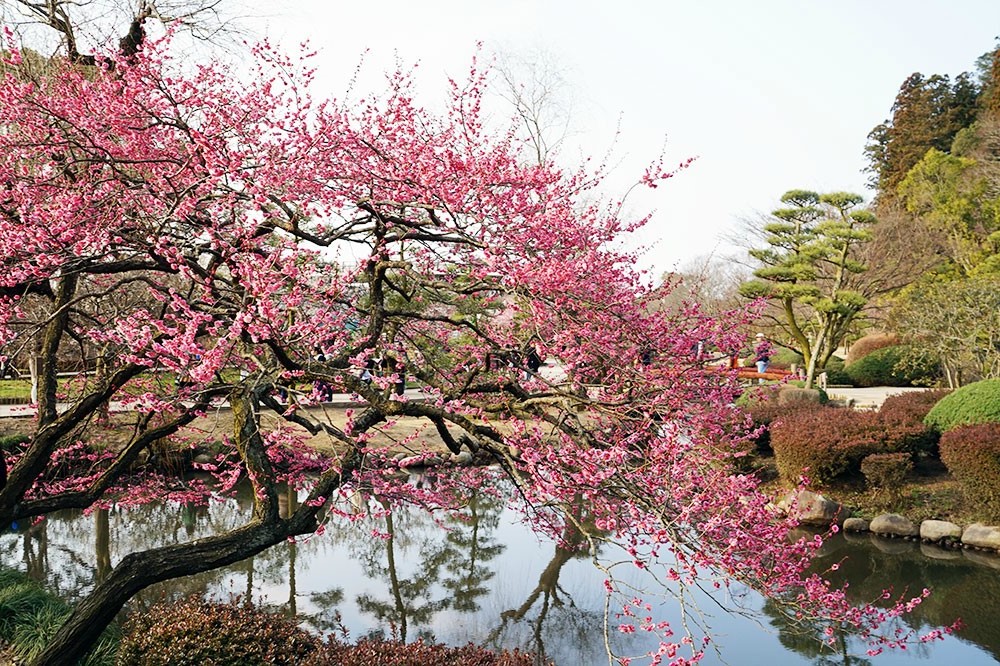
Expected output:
(333, 570)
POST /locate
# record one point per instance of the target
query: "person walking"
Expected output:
(762, 354)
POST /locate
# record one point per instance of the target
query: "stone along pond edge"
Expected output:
(813, 509)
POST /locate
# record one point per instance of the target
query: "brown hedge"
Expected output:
(828, 442)
(869, 343)
(903, 417)
(972, 454)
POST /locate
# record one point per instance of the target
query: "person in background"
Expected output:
(762, 353)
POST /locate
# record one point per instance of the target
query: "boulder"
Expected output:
(462, 458)
(812, 508)
(939, 530)
(978, 535)
(855, 525)
(893, 524)
(203, 459)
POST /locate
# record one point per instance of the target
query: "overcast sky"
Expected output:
(769, 95)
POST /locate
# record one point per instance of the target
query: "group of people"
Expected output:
(387, 365)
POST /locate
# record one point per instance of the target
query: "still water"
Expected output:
(486, 578)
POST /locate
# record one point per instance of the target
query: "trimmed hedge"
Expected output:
(972, 454)
(903, 418)
(869, 343)
(783, 358)
(835, 372)
(392, 653)
(899, 365)
(970, 405)
(766, 402)
(828, 442)
(886, 471)
(196, 632)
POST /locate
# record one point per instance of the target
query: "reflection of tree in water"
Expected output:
(55, 551)
(410, 597)
(810, 642)
(471, 538)
(960, 589)
(451, 569)
(557, 616)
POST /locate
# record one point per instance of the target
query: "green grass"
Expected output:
(15, 388)
(30, 616)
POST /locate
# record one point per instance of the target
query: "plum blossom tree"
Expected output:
(189, 225)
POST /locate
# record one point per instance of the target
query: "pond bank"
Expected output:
(817, 510)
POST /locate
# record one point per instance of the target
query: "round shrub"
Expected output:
(886, 471)
(196, 632)
(892, 366)
(869, 343)
(903, 417)
(835, 372)
(972, 455)
(790, 396)
(393, 653)
(970, 405)
(828, 442)
(783, 358)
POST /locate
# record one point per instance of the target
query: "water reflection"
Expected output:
(478, 575)
(548, 596)
(451, 569)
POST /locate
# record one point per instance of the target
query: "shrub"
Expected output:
(970, 405)
(196, 632)
(10, 442)
(886, 471)
(30, 616)
(790, 396)
(829, 441)
(892, 366)
(903, 418)
(972, 454)
(760, 402)
(835, 372)
(391, 653)
(783, 358)
(869, 343)
(764, 403)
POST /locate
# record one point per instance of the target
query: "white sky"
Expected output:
(770, 95)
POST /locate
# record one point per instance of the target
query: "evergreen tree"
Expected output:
(807, 267)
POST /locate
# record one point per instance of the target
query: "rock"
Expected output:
(419, 461)
(461, 458)
(855, 525)
(894, 524)
(812, 508)
(203, 459)
(982, 536)
(939, 530)
(938, 553)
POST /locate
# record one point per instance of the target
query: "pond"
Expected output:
(486, 578)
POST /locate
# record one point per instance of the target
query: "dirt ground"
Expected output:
(405, 434)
